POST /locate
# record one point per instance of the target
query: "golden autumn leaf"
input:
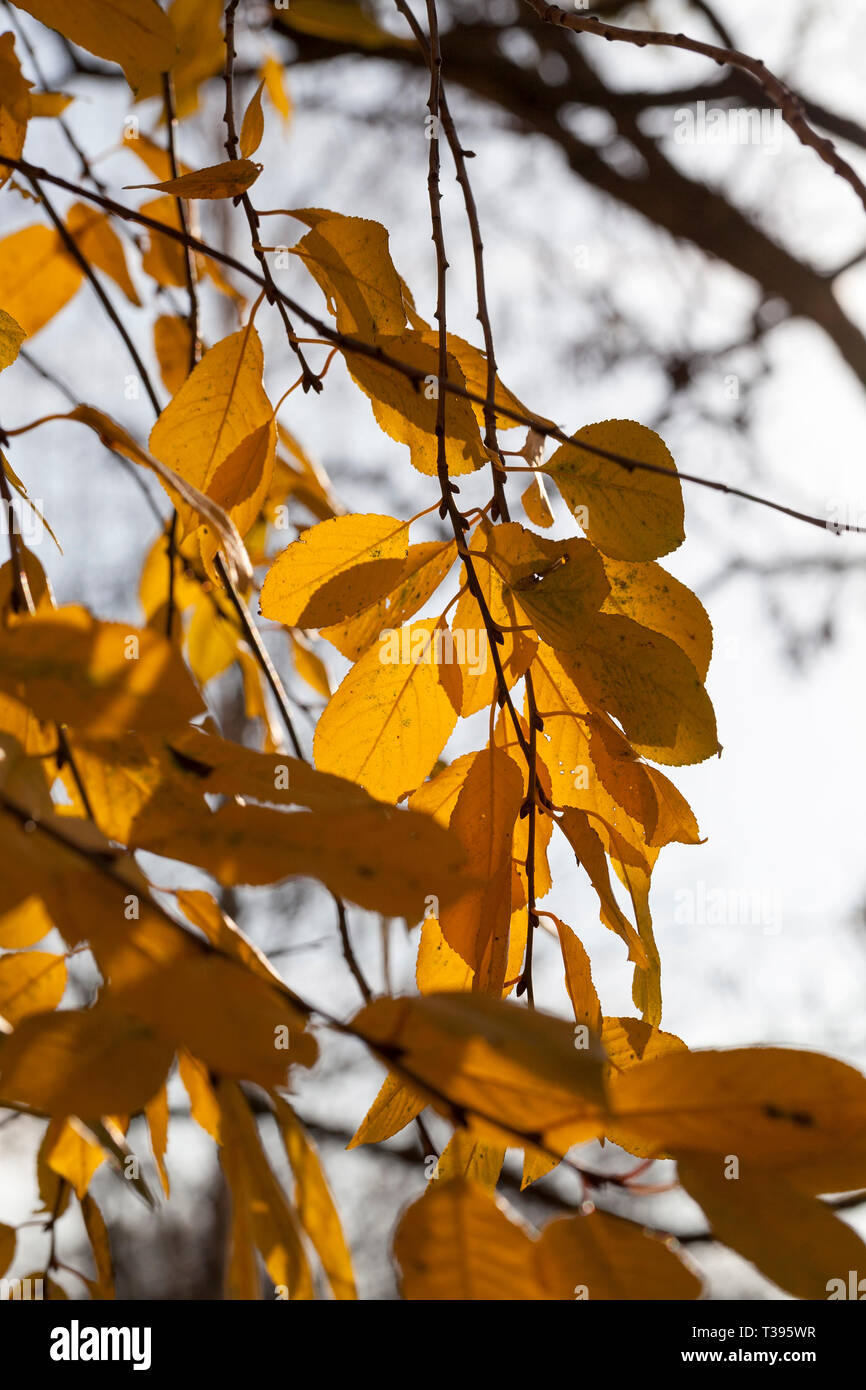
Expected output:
(31, 982)
(69, 1151)
(315, 1203)
(12, 335)
(340, 19)
(189, 994)
(15, 104)
(395, 1106)
(483, 820)
(408, 414)
(101, 678)
(467, 1157)
(100, 1245)
(795, 1240)
(386, 864)
(456, 1243)
(272, 74)
(349, 259)
(628, 1041)
(225, 180)
(198, 28)
(8, 1240)
(658, 601)
(171, 343)
(253, 124)
(500, 1069)
(98, 1061)
(646, 681)
(536, 503)
(335, 570)
(390, 718)
(262, 1216)
(789, 1110)
(37, 277)
(100, 245)
(598, 1256)
(562, 599)
(49, 104)
(424, 569)
(218, 410)
(629, 513)
(133, 33)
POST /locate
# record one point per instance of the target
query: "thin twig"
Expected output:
(310, 379)
(788, 102)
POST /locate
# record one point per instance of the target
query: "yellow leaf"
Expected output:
(226, 180)
(200, 54)
(90, 1062)
(560, 586)
(424, 569)
(261, 1213)
(578, 979)
(310, 666)
(395, 1106)
(172, 347)
(217, 409)
(12, 335)
(649, 685)
(786, 1109)
(100, 245)
(349, 259)
(71, 1153)
(335, 570)
(24, 924)
(795, 1240)
(628, 1041)
(253, 127)
(101, 678)
(272, 74)
(408, 414)
(390, 718)
(475, 669)
(501, 1069)
(7, 1247)
(31, 982)
(37, 276)
(483, 821)
(340, 19)
(315, 1204)
(465, 1157)
(97, 1234)
(156, 1111)
(386, 864)
(204, 1105)
(128, 32)
(456, 1243)
(49, 103)
(240, 484)
(597, 1256)
(629, 513)
(15, 104)
(438, 966)
(536, 503)
(164, 260)
(589, 850)
(653, 598)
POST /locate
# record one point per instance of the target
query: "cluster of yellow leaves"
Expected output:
(108, 748)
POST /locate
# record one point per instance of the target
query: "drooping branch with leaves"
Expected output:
(585, 659)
